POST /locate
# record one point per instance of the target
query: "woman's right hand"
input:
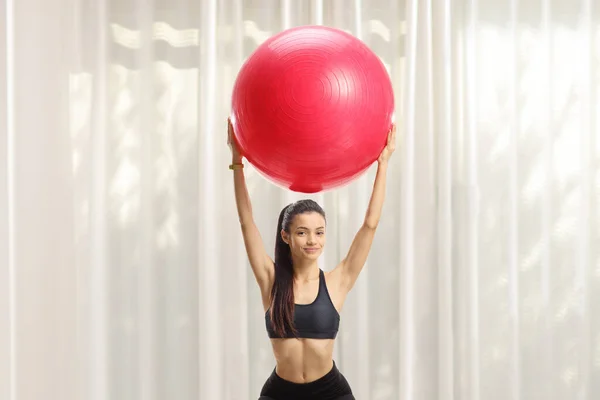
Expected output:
(235, 152)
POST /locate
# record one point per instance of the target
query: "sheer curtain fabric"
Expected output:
(122, 269)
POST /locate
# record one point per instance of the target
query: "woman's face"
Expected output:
(307, 235)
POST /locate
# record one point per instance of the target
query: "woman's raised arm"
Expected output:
(262, 265)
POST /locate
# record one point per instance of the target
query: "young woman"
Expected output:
(302, 303)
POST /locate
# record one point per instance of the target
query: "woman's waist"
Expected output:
(303, 361)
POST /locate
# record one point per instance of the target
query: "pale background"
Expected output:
(122, 269)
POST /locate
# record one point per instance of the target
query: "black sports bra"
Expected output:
(317, 320)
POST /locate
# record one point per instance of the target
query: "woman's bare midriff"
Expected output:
(303, 360)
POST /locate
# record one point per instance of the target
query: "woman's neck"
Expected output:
(306, 271)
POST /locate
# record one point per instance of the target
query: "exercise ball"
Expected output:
(311, 108)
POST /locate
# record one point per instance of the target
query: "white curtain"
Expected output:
(122, 270)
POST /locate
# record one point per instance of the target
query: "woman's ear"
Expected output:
(285, 237)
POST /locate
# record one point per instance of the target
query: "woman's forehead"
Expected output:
(312, 220)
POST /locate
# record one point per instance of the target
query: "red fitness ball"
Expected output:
(311, 108)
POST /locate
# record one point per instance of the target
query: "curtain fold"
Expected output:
(39, 315)
(123, 273)
(5, 302)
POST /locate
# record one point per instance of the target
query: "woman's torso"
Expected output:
(307, 359)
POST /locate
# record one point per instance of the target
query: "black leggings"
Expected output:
(331, 386)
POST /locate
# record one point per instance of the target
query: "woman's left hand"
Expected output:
(389, 147)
